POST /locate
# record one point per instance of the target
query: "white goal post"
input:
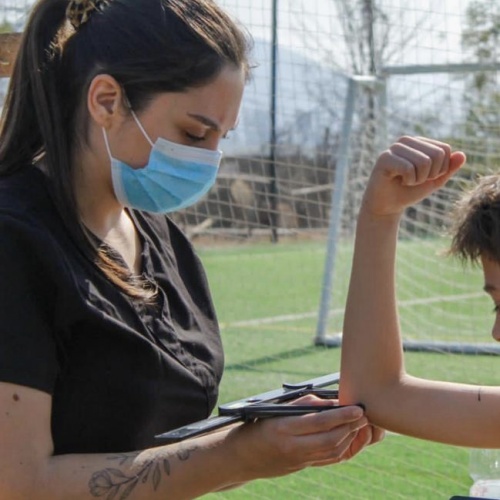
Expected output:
(379, 84)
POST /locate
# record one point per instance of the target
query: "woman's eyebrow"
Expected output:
(206, 121)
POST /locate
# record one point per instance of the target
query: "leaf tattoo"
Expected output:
(184, 453)
(113, 484)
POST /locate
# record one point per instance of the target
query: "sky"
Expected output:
(436, 26)
(305, 24)
(422, 32)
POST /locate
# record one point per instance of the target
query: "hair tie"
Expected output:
(79, 11)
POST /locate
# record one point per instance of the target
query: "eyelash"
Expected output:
(194, 138)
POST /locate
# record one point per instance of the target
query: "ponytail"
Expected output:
(29, 115)
(148, 46)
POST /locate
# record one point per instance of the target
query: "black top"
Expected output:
(119, 372)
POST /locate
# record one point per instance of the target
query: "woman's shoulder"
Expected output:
(25, 193)
(26, 208)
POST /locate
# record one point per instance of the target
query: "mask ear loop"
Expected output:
(106, 142)
(139, 124)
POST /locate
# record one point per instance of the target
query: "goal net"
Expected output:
(343, 81)
(351, 77)
(334, 83)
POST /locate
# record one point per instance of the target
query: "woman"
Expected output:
(108, 335)
(372, 366)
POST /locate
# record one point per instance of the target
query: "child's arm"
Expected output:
(372, 369)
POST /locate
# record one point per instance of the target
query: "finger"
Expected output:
(443, 146)
(394, 165)
(421, 163)
(323, 421)
(311, 399)
(339, 454)
(362, 439)
(457, 160)
(430, 160)
(378, 434)
(342, 450)
(325, 446)
(318, 424)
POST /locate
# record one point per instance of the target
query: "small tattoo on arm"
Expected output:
(185, 453)
(479, 394)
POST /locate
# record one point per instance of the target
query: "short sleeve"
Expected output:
(27, 346)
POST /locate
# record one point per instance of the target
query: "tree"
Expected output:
(361, 46)
(481, 40)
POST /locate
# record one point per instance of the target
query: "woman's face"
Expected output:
(198, 117)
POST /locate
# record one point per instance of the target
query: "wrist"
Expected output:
(226, 457)
(367, 215)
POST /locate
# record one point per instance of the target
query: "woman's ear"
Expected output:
(105, 101)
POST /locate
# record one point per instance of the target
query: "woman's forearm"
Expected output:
(179, 471)
(268, 447)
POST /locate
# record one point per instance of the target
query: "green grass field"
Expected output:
(280, 286)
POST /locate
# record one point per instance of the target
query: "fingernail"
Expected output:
(357, 412)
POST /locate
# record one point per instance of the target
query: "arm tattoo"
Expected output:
(184, 452)
(112, 483)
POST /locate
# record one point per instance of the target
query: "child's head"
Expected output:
(476, 227)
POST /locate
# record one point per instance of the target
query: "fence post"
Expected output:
(336, 213)
(273, 213)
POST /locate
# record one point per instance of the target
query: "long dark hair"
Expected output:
(148, 46)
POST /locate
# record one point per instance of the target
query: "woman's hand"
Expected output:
(409, 171)
(370, 434)
(277, 446)
(365, 436)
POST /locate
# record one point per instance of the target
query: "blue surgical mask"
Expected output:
(175, 176)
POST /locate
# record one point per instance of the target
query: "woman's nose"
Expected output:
(212, 143)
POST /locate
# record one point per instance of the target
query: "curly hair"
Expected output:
(476, 222)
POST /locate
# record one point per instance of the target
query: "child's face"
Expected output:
(491, 271)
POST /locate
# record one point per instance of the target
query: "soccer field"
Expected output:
(267, 298)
